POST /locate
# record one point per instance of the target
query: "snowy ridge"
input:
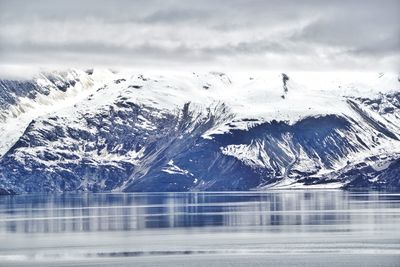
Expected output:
(105, 130)
(42, 95)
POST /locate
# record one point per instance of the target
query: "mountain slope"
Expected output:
(125, 131)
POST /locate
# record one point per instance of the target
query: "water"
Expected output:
(277, 228)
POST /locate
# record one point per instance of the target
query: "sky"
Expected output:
(290, 35)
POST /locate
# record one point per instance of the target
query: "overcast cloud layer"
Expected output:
(239, 34)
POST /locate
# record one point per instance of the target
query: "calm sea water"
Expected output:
(277, 228)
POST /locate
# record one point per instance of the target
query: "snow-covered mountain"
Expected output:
(102, 130)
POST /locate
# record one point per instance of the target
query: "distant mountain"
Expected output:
(101, 130)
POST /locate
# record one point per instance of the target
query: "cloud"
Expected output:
(300, 35)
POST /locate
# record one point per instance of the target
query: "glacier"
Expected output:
(102, 130)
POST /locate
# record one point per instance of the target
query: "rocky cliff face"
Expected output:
(106, 131)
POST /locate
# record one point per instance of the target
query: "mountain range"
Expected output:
(102, 130)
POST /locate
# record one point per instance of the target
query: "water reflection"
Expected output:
(130, 212)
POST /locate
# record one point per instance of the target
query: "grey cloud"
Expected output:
(177, 15)
(380, 48)
(323, 33)
(86, 51)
